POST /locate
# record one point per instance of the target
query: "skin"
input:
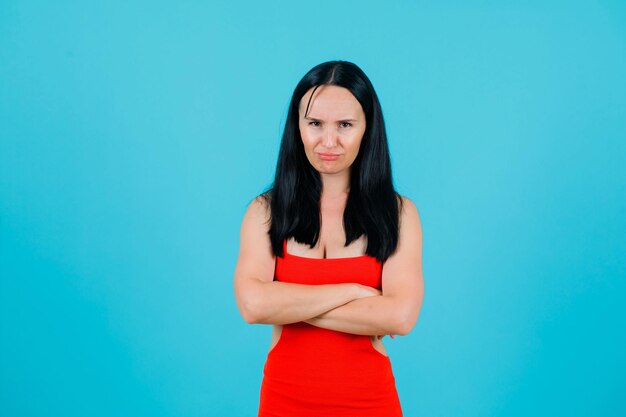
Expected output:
(335, 124)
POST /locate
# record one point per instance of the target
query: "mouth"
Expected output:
(326, 156)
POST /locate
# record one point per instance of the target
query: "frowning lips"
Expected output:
(328, 156)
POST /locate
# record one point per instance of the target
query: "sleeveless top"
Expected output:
(319, 372)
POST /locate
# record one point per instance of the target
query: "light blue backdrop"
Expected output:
(134, 134)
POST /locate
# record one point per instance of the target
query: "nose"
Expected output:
(330, 138)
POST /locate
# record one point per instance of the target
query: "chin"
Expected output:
(330, 171)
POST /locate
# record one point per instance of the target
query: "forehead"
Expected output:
(329, 100)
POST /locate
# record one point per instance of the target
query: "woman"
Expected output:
(331, 255)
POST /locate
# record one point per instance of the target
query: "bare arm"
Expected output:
(395, 311)
(261, 299)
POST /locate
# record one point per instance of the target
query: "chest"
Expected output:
(331, 243)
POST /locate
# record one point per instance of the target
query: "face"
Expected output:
(332, 129)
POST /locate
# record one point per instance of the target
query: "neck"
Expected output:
(335, 185)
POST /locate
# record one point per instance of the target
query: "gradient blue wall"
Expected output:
(134, 134)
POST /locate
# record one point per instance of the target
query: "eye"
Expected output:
(314, 123)
(345, 124)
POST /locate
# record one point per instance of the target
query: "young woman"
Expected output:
(331, 255)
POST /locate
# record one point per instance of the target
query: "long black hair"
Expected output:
(373, 205)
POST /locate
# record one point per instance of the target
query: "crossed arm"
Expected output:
(350, 308)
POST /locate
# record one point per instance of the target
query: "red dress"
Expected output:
(318, 372)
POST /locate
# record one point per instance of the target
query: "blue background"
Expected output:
(134, 134)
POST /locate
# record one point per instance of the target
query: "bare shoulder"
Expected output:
(256, 257)
(257, 217)
(409, 215)
(256, 223)
(259, 208)
(410, 232)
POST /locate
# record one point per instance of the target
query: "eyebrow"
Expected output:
(340, 120)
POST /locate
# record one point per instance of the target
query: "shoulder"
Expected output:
(257, 217)
(407, 206)
(256, 259)
(409, 215)
(259, 207)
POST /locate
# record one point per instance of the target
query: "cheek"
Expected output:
(307, 141)
(308, 144)
(306, 135)
(354, 152)
(355, 144)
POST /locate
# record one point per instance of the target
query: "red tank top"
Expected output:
(318, 372)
